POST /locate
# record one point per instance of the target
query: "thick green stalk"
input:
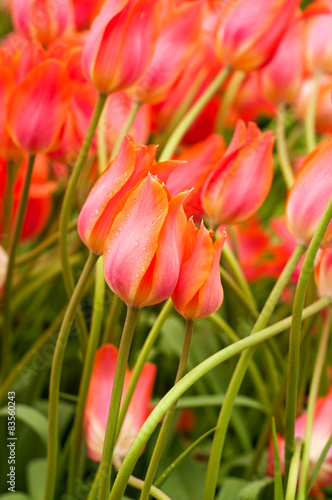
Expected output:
(295, 334)
(228, 99)
(166, 425)
(313, 393)
(52, 449)
(142, 358)
(188, 381)
(66, 210)
(310, 115)
(126, 129)
(113, 413)
(76, 438)
(294, 471)
(282, 152)
(7, 326)
(238, 375)
(192, 114)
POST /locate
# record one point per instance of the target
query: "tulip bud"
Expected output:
(144, 248)
(239, 184)
(250, 31)
(120, 44)
(321, 432)
(42, 19)
(198, 292)
(309, 195)
(38, 106)
(98, 401)
(323, 273)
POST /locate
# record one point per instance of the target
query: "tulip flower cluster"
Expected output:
(166, 205)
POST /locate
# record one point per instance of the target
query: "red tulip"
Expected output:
(309, 195)
(321, 431)
(98, 401)
(37, 107)
(198, 292)
(42, 19)
(175, 44)
(282, 77)
(239, 184)
(144, 248)
(120, 44)
(127, 169)
(323, 273)
(250, 31)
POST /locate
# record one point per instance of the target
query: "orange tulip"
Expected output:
(98, 401)
(127, 169)
(198, 292)
(240, 182)
(323, 273)
(309, 195)
(144, 248)
(42, 19)
(120, 44)
(250, 31)
(37, 107)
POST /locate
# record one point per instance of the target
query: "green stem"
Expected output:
(226, 279)
(188, 381)
(112, 319)
(142, 358)
(192, 114)
(313, 393)
(284, 162)
(101, 143)
(295, 334)
(126, 129)
(93, 493)
(310, 115)
(166, 425)
(113, 414)
(76, 438)
(66, 209)
(52, 450)
(7, 327)
(237, 272)
(238, 375)
(228, 99)
(294, 471)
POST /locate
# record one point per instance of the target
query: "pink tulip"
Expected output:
(323, 273)
(318, 44)
(239, 184)
(323, 118)
(120, 44)
(98, 401)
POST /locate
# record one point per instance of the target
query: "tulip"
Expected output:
(250, 31)
(323, 115)
(98, 402)
(179, 33)
(127, 169)
(309, 195)
(198, 161)
(323, 273)
(42, 19)
(144, 248)
(120, 44)
(282, 77)
(198, 292)
(321, 431)
(37, 107)
(239, 184)
(7, 84)
(318, 45)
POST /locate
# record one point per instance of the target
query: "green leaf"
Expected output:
(31, 417)
(278, 488)
(36, 477)
(254, 490)
(230, 488)
(319, 464)
(15, 496)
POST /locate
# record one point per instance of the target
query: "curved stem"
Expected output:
(192, 114)
(52, 449)
(282, 152)
(190, 379)
(7, 326)
(295, 334)
(113, 413)
(228, 99)
(166, 425)
(313, 393)
(66, 209)
(142, 358)
(310, 115)
(238, 375)
(126, 129)
(76, 438)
